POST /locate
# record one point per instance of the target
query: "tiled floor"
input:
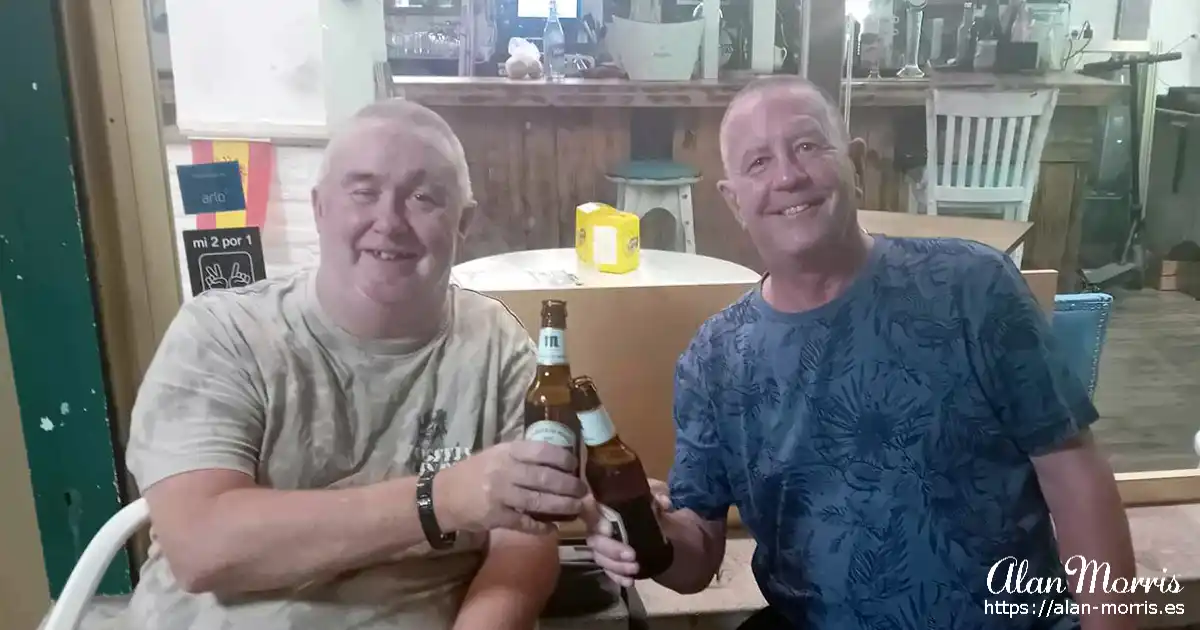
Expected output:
(1149, 390)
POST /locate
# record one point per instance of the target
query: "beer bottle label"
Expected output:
(551, 432)
(552, 347)
(596, 426)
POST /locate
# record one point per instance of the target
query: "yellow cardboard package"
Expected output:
(606, 238)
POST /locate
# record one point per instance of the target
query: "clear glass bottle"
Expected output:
(964, 57)
(554, 45)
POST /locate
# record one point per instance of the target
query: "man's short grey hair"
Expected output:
(833, 118)
(416, 116)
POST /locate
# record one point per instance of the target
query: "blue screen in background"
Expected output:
(567, 9)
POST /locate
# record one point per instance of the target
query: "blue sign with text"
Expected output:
(215, 187)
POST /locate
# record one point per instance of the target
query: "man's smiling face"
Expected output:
(387, 210)
(789, 176)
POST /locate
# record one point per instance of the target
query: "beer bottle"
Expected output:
(549, 416)
(618, 481)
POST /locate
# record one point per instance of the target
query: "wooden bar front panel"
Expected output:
(530, 167)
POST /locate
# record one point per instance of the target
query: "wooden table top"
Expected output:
(1002, 235)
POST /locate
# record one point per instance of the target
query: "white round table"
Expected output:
(560, 268)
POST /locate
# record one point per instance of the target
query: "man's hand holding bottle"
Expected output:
(616, 558)
(499, 487)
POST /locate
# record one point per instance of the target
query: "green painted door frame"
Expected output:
(49, 298)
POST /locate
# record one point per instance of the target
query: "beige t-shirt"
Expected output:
(258, 380)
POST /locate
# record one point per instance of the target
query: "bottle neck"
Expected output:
(552, 347)
(596, 427)
(554, 373)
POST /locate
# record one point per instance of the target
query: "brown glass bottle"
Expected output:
(618, 481)
(549, 416)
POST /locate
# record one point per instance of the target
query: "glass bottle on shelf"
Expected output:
(914, 12)
(963, 55)
(554, 45)
(871, 47)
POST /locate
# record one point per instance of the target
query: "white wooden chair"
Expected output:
(984, 153)
(81, 586)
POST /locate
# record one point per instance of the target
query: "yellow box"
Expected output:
(616, 241)
(583, 237)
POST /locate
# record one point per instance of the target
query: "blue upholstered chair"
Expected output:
(1080, 327)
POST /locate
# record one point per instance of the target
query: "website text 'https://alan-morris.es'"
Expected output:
(1010, 576)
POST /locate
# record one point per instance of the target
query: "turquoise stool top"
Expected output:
(1080, 327)
(654, 171)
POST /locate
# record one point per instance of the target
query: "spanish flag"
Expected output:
(256, 161)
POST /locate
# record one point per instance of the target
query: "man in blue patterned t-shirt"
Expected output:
(888, 415)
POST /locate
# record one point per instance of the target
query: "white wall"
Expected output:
(1172, 22)
(247, 63)
(1101, 13)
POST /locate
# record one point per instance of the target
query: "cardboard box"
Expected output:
(607, 239)
(1174, 275)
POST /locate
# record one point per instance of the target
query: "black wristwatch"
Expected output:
(433, 533)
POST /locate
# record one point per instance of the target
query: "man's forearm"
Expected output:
(500, 600)
(1094, 541)
(698, 553)
(1091, 527)
(259, 539)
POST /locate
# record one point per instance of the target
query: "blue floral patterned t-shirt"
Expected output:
(878, 447)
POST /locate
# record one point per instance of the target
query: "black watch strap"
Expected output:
(433, 533)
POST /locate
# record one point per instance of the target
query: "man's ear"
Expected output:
(858, 157)
(727, 192)
(467, 218)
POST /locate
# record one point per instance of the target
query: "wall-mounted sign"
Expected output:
(207, 188)
(256, 165)
(223, 258)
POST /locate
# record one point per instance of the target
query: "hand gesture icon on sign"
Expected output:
(214, 278)
(238, 278)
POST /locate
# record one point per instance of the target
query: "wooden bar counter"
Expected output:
(537, 149)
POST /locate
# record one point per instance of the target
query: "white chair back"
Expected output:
(985, 148)
(85, 577)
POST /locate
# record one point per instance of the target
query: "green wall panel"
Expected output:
(48, 298)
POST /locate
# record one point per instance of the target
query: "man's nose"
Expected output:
(791, 175)
(391, 216)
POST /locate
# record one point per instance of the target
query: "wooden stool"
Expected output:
(648, 185)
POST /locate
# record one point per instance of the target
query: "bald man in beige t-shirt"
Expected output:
(286, 431)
